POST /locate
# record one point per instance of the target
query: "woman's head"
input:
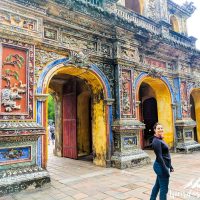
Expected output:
(158, 130)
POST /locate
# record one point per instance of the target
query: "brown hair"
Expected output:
(155, 125)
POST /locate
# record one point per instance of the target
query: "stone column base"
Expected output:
(188, 147)
(16, 180)
(185, 136)
(129, 160)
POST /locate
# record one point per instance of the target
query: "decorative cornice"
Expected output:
(41, 97)
(122, 125)
(185, 123)
(8, 128)
(155, 73)
(79, 59)
(109, 102)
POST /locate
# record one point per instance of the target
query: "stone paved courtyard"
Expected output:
(76, 179)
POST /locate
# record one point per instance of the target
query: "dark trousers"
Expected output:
(162, 182)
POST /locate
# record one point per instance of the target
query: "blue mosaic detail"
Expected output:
(177, 83)
(46, 70)
(39, 143)
(39, 150)
(130, 141)
(15, 154)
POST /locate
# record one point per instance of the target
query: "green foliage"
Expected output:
(18, 64)
(21, 59)
(51, 108)
(9, 58)
(16, 75)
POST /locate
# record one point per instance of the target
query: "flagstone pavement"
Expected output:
(76, 179)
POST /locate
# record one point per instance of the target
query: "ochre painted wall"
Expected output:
(135, 5)
(175, 23)
(99, 136)
(83, 124)
(196, 96)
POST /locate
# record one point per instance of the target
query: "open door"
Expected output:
(69, 120)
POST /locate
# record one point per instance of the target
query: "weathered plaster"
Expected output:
(196, 96)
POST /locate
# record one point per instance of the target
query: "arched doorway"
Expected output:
(135, 5)
(83, 92)
(195, 108)
(149, 113)
(174, 23)
(156, 105)
(73, 117)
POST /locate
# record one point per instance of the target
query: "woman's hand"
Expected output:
(171, 169)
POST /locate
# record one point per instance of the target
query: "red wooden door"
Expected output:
(69, 121)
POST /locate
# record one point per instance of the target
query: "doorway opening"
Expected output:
(73, 117)
(193, 116)
(51, 119)
(195, 108)
(155, 106)
(149, 113)
(135, 5)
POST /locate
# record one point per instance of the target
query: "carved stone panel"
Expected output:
(50, 34)
(20, 22)
(129, 54)
(127, 95)
(184, 99)
(17, 79)
(151, 62)
(13, 19)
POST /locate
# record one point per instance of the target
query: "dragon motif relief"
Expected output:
(13, 88)
(126, 94)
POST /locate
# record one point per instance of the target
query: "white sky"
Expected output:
(193, 22)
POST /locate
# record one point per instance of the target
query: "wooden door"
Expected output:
(69, 120)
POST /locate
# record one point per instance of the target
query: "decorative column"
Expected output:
(184, 124)
(127, 150)
(20, 133)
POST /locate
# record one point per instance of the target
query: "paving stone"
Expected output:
(75, 179)
(80, 196)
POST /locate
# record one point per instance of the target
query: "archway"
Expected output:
(74, 113)
(157, 94)
(195, 108)
(174, 23)
(101, 113)
(135, 5)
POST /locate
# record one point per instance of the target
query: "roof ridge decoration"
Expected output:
(189, 6)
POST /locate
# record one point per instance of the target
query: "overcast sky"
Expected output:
(194, 21)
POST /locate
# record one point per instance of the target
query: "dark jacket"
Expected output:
(162, 155)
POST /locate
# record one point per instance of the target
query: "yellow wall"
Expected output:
(99, 138)
(83, 125)
(141, 7)
(135, 5)
(174, 23)
(164, 107)
(196, 96)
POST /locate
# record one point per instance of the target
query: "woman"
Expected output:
(162, 165)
